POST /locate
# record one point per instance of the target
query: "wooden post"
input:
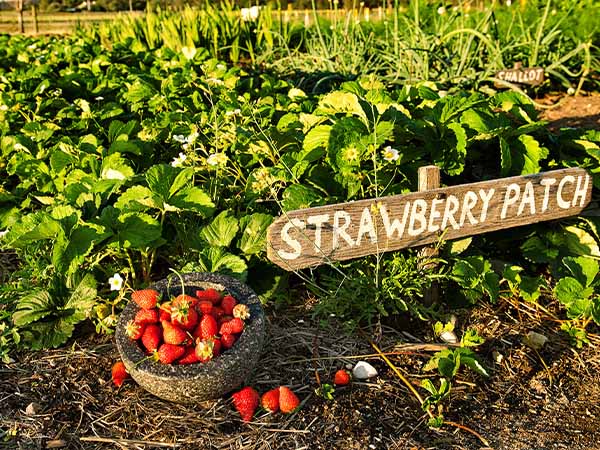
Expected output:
(429, 178)
(21, 24)
(34, 17)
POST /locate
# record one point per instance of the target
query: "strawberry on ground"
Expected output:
(172, 334)
(245, 402)
(227, 304)
(341, 378)
(119, 373)
(168, 353)
(227, 340)
(146, 316)
(151, 337)
(270, 400)
(210, 294)
(134, 330)
(146, 298)
(189, 357)
(234, 326)
(288, 401)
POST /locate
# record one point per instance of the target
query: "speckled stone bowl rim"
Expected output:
(132, 354)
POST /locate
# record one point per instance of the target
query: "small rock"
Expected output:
(498, 357)
(449, 337)
(535, 340)
(32, 409)
(363, 370)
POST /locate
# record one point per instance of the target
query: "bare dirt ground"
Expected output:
(546, 399)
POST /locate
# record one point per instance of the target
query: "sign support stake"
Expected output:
(429, 178)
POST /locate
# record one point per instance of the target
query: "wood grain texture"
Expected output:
(314, 236)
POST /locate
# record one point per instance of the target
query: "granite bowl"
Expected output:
(191, 383)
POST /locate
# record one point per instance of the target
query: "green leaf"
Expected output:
(341, 102)
(183, 178)
(215, 259)
(82, 299)
(80, 243)
(491, 285)
(193, 199)
(160, 178)
(32, 307)
(137, 230)
(448, 367)
(114, 167)
(583, 269)
(456, 163)
(580, 242)
(137, 198)
(455, 248)
(316, 138)
(569, 290)
(221, 230)
(299, 196)
(505, 158)
(471, 339)
(473, 363)
(254, 233)
(33, 227)
(530, 288)
(539, 251)
(485, 123)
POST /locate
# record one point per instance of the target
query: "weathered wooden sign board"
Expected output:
(529, 75)
(313, 236)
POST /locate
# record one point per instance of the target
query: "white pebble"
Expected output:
(363, 370)
(449, 337)
(535, 340)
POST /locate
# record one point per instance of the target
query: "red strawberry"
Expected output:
(134, 330)
(227, 304)
(217, 347)
(204, 306)
(227, 340)
(151, 337)
(184, 298)
(210, 294)
(245, 402)
(288, 401)
(184, 315)
(207, 327)
(270, 400)
(146, 298)
(172, 334)
(189, 357)
(223, 319)
(146, 316)
(241, 311)
(217, 312)
(234, 326)
(164, 311)
(168, 353)
(341, 378)
(119, 373)
(205, 349)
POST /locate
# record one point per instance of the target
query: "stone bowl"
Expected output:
(191, 383)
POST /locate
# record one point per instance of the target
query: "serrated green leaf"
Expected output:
(341, 102)
(114, 167)
(215, 259)
(569, 290)
(160, 178)
(582, 268)
(457, 247)
(137, 230)
(254, 233)
(530, 288)
(491, 285)
(448, 367)
(473, 363)
(533, 154)
(317, 137)
(539, 251)
(193, 199)
(221, 231)
(298, 196)
(505, 158)
(137, 198)
(33, 306)
(32, 227)
(580, 242)
(456, 164)
(183, 179)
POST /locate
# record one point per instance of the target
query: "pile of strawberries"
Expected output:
(187, 329)
(282, 399)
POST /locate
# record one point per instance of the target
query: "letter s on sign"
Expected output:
(293, 243)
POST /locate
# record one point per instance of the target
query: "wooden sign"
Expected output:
(531, 75)
(313, 236)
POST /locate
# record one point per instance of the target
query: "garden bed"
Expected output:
(546, 399)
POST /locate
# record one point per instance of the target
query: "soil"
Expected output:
(534, 399)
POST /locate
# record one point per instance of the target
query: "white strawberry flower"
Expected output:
(3, 233)
(441, 10)
(179, 138)
(115, 282)
(390, 154)
(179, 160)
(216, 159)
